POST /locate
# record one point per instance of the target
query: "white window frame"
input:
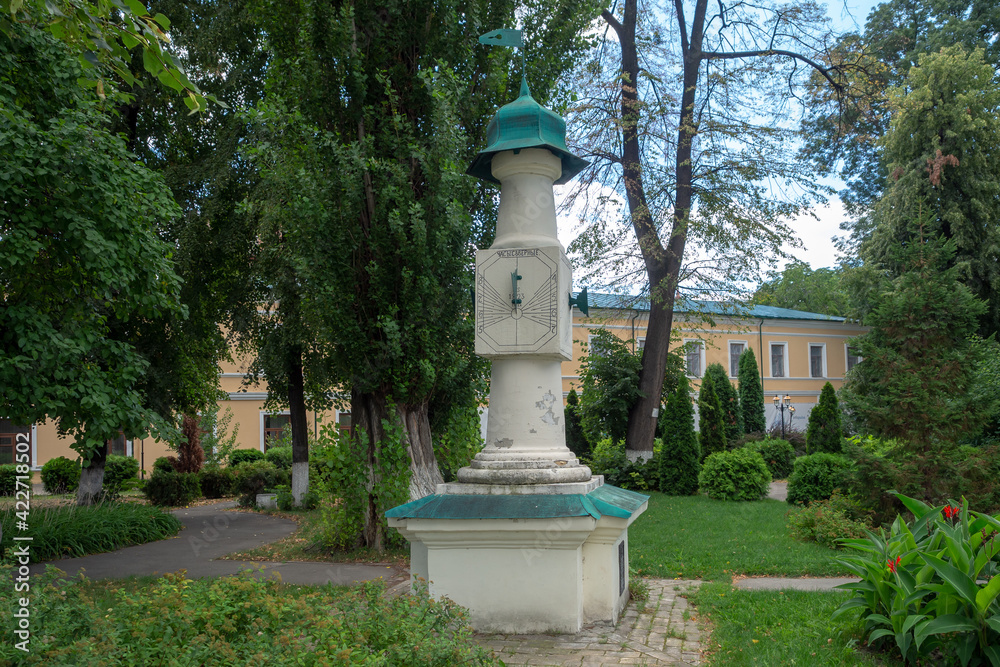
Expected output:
(640, 343)
(847, 358)
(784, 359)
(823, 356)
(745, 345)
(701, 348)
(263, 415)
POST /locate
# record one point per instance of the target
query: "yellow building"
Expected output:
(800, 352)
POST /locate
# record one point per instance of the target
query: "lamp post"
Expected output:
(783, 403)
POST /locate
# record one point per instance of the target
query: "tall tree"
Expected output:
(824, 433)
(716, 148)
(751, 393)
(799, 287)
(372, 111)
(86, 278)
(943, 154)
(680, 453)
(610, 376)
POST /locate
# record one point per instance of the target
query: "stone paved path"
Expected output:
(662, 633)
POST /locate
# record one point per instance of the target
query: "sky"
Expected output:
(815, 233)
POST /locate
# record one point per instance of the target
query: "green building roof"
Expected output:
(717, 308)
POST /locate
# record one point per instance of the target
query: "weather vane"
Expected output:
(506, 37)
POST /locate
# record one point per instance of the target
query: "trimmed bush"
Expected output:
(680, 454)
(243, 455)
(217, 482)
(815, 477)
(280, 457)
(256, 477)
(71, 531)
(164, 464)
(778, 455)
(830, 521)
(61, 475)
(751, 393)
(711, 428)
(824, 432)
(739, 474)
(8, 479)
(172, 488)
(729, 399)
(118, 472)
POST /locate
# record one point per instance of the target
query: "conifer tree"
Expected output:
(732, 417)
(712, 430)
(680, 454)
(751, 393)
(824, 431)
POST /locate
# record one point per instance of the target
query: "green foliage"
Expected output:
(815, 477)
(679, 460)
(751, 393)
(457, 435)
(70, 531)
(609, 458)
(217, 482)
(240, 620)
(255, 477)
(284, 498)
(799, 287)
(8, 479)
(87, 278)
(824, 432)
(729, 399)
(778, 455)
(173, 489)
(120, 474)
(576, 441)
(239, 456)
(60, 475)
(711, 427)
(610, 375)
(920, 584)
(348, 499)
(830, 521)
(738, 474)
(218, 441)
(280, 456)
(163, 464)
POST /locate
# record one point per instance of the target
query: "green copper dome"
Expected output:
(524, 123)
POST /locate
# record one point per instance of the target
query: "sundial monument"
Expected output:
(527, 538)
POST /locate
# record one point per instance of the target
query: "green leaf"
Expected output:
(948, 623)
(878, 634)
(994, 622)
(993, 653)
(917, 507)
(163, 21)
(150, 63)
(988, 594)
(15, 5)
(961, 583)
(853, 603)
(137, 7)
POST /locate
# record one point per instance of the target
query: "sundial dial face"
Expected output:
(520, 305)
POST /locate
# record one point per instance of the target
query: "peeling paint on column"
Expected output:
(548, 400)
(504, 443)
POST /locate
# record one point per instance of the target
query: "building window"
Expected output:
(344, 422)
(274, 428)
(817, 360)
(853, 358)
(735, 352)
(640, 343)
(8, 440)
(777, 360)
(118, 445)
(694, 355)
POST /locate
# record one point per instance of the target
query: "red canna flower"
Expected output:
(893, 563)
(951, 512)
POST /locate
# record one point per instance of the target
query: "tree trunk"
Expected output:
(300, 426)
(424, 472)
(367, 412)
(92, 478)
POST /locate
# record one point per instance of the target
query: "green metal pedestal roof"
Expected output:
(603, 501)
(524, 123)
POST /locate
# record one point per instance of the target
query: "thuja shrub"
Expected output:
(164, 464)
(69, 530)
(257, 477)
(8, 479)
(120, 474)
(239, 456)
(815, 477)
(237, 621)
(929, 588)
(739, 474)
(830, 521)
(281, 457)
(172, 488)
(217, 482)
(60, 475)
(778, 455)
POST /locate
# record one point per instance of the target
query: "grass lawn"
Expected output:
(780, 628)
(695, 537)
